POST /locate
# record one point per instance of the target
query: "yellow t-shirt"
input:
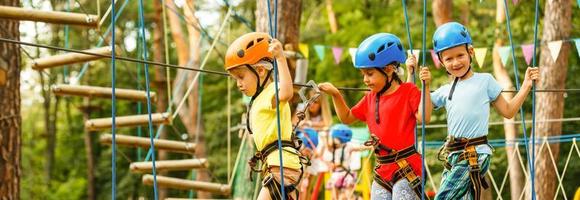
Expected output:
(264, 125)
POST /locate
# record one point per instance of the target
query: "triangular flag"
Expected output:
(555, 47)
(435, 59)
(352, 52)
(319, 51)
(416, 53)
(528, 50)
(504, 54)
(303, 49)
(578, 3)
(480, 56)
(337, 52)
(577, 41)
(515, 2)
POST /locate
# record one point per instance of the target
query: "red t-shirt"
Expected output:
(397, 123)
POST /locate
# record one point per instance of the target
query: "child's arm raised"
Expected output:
(342, 110)
(425, 75)
(286, 90)
(509, 108)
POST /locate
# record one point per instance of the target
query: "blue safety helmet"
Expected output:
(449, 35)
(341, 132)
(379, 50)
(308, 135)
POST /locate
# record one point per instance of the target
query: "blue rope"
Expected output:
(139, 87)
(66, 43)
(533, 168)
(101, 40)
(408, 32)
(516, 76)
(113, 107)
(144, 46)
(423, 104)
(273, 33)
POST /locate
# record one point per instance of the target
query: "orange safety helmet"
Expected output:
(248, 49)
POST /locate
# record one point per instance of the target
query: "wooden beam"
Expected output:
(103, 92)
(23, 14)
(72, 58)
(176, 183)
(160, 144)
(127, 121)
(169, 165)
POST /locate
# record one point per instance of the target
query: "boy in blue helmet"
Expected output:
(391, 110)
(467, 101)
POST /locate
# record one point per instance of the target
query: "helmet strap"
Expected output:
(259, 89)
(380, 93)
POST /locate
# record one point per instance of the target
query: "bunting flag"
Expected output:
(352, 52)
(480, 54)
(303, 49)
(504, 54)
(528, 50)
(577, 41)
(555, 47)
(515, 2)
(319, 51)
(435, 59)
(416, 53)
(337, 52)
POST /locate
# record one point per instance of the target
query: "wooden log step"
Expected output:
(160, 144)
(103, 92)
(72, 58)
(176, 183)
(169, 165)
(23, 14)
(127, 121)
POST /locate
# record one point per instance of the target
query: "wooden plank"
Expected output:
(23, 14)
(102, 92)
(127, 121)
(160, 144)
(176, 183)
(72, 58)
(168, 165)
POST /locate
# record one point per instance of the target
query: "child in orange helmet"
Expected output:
(249, 60)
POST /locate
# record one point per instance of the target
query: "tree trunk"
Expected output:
(288, 23)
(502, 76)
(91, 195)
(331, 17)
(160, 80)
(442, 11)
(10, 119)
(557, 26)
(194, 48)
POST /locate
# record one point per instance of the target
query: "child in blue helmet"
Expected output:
(343, 176)
(391, 111)
(467, 101)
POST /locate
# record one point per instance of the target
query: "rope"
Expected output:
(515, 122)
(66, 43)
(229, 124)
(533, 168)
(556, 170)
(423, 104)
(167, 72)
(274, 33)
(144, 46)
(189, 89)
(113, 111)
(530, 163)
(139, 87)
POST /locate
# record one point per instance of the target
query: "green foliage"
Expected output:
(356, 21)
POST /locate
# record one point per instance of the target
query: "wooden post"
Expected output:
(169, 182)
(127, 121)
(169, 165)
(72, 58)
(135, 141)
(104, 92)
(10, 12)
